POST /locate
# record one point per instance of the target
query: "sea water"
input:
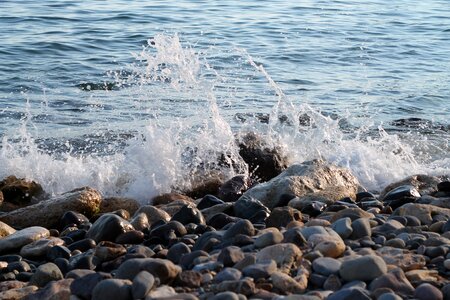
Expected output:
(141, 98)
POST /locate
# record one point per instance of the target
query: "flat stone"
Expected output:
(46, 273)
(112, 289)
(40, 247)
(143, 283)
(47, 213)
(286, 255)
(326, 266)
(365, 268)
(23, 237)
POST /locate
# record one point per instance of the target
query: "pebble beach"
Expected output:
(302, 231)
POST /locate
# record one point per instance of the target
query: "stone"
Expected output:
(361, 228)
(140, 222)
(18, 266)
(112, 289)
(244, 286)
(143, 283)
(55, 290)
(209, 201)
(389, 296)
(286, 255)
(401, 258)
(350, 294)
(72, 218)
(108, 227)
(330, 245)
(281, 216)
(187, 260)
(400, 195)
(173, 226)
(234, 188)
(423, 212)
(164, 292)
(83, 245)
(171, 197)
(130, 237)
(163, 269)
(246, 207)
(343, 227)
(19, 293)
(353, 213)
(106, 251)
(46, 273)
(364, 268)
(240, 227)
(153, 214)
(225, 296)
(418, 276)
(21, 191)
(271, 237)
(223, 209)
(176, 251)
(228, 274)
(85, 282)
(395, 280)
(40, 247)
(23, 237)
(326, 266)
(189, 278)
(5, 230)
(307, 178)
(260, 270)
(189, 214)
(286, 284)
(426, 291)
(424, 184)
(47, 213)
(111, 204)
(230, 255)
(265, 161)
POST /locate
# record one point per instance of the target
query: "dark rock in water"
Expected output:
(83, 286)
(189, 214)
(229, 256)
(142, 284)
(444, 186)
(108, 227)
(401, 195)
(73, 217)
(281, 216)
(209, 201)
(21, 191)
(46, 273)
(112, 289)
(232, 189)
(176, 251)
(246, 207)
(264, 161)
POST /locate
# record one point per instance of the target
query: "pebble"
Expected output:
(228, 274)
(230, 255)
(260, 270)
(188, 214)
(426, 291)
(343, 227)
(286, 284)
(365, 268)
(142, 284)
(285, 255)
(350, 294)
(209, 201)
(190, 279)
(176, 251)
(23, 237)
(46, 273)
(108, 227)
(361, 228)
(240, 227)
(163, 269)
(326, 265)
(281, 216)
(112, 289)
(85, 282)
(269, 238)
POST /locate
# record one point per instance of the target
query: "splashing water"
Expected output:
(187, 135)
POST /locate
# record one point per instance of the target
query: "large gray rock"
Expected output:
(23, 237)
(46, 273)
(312, 177)
(48, 213)
(364, 268)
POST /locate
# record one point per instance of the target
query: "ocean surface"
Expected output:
(136, 98)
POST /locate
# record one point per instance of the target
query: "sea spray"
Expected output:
(188, 135)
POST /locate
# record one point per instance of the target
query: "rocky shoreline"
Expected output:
(308, 231)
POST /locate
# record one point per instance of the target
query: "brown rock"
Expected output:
(115, 203)
(281, 216)
(48, 213)
(170, 197)
(154, 214)
(21, 191)
(286, 255)
(395, 280)
(286, 284)
(55, 290)
(401, 258)
(424, 212)
(352, 213)
(245, 286)
(5, 230)
(19, 293)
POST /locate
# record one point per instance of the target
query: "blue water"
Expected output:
(75, 80)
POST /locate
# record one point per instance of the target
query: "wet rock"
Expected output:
(187, 260)
(401, 195)
(112, 204)
(46, 273)
(55, 290)
(281, 216)
(424, 184)
(153, 214)
(5, 230)
(309, 177)
(130, 237)
(246, 207)
(163, 269)
(234, 188)
(230, 255)
(23, 237)
(219, 220)
(264, 161)
(142, 284)
(424, 212)
(285, 255)
(108, 227)
(395, 280)
(83, 245)
(140, 222)
(40, 247)
(106, 251)
(365, 268)
(426, 291)
(189, 214)
(21, 191)
(47, 213)
(209, 201)
(286, 284)
(171, 197)
(73, 218)
(112, 289)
